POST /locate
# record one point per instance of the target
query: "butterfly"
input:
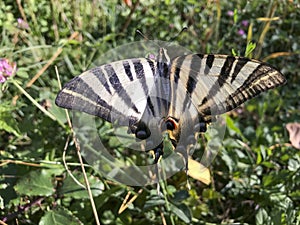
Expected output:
(177, 95)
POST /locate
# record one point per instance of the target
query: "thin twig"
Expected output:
(36, 103)
(21, 11)
(77, 146)
(128, 20)
(278, 145)
(265, 29)
(66, 166)
(126, 203)
(277, 54)
(45, 67)
(85, 177)
(18, 162)
(163, 219)
(41, 71)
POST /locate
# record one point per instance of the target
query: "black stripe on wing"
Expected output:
(194, 73)
(78, 95)
(209, 63)
(260, 79)
(192, 78)
(241, 62)
(98, 73)
(140, 74)
(116, 84)
(263, 78)
(217, 86)
(176, 65)
(127, 69)
(222, 78)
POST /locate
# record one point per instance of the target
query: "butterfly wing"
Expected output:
(219, 83)
(114, 91)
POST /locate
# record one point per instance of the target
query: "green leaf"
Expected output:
(258, 158)
(154, 201)
(37, 183)
(232, 126)
(72, 189)
(59, 216)
(235, 16)
(180, 195)
(9, 124)
(182, 211)
(250, 48)
(168, 147)
(7, 121)
(6, 107)
(233, 52)
(211, 194)
(114, 192)
(293, 165)
(1, 203)
(262, 217)
(23, 73)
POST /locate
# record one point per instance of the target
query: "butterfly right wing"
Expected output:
(219, 83)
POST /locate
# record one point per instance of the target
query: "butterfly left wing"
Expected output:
(111, 91)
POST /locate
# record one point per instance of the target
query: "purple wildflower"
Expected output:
(245, 23)
(22, 24)
(2, 78)
(6, 69)
(151, 56)
(19, 20)
(241, 32)
(230, 13)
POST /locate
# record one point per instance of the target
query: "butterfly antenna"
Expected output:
(175, 37)
(142, 35)
(146, 38)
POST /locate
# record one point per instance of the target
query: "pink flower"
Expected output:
(245, 23)
(2, 78)
(241, 32)
(22, 24)
(151, 56)
(7, 69)
(230, 13)
(19, 20)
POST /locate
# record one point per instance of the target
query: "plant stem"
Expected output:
(47, 113)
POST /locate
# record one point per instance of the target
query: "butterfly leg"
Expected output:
(158, 152)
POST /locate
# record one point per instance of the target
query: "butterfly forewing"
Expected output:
(115, 91)
(220, 83)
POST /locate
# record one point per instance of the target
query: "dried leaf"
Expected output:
(199, 172)
(268, 19)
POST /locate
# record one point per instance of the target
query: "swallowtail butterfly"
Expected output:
(178, 96)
